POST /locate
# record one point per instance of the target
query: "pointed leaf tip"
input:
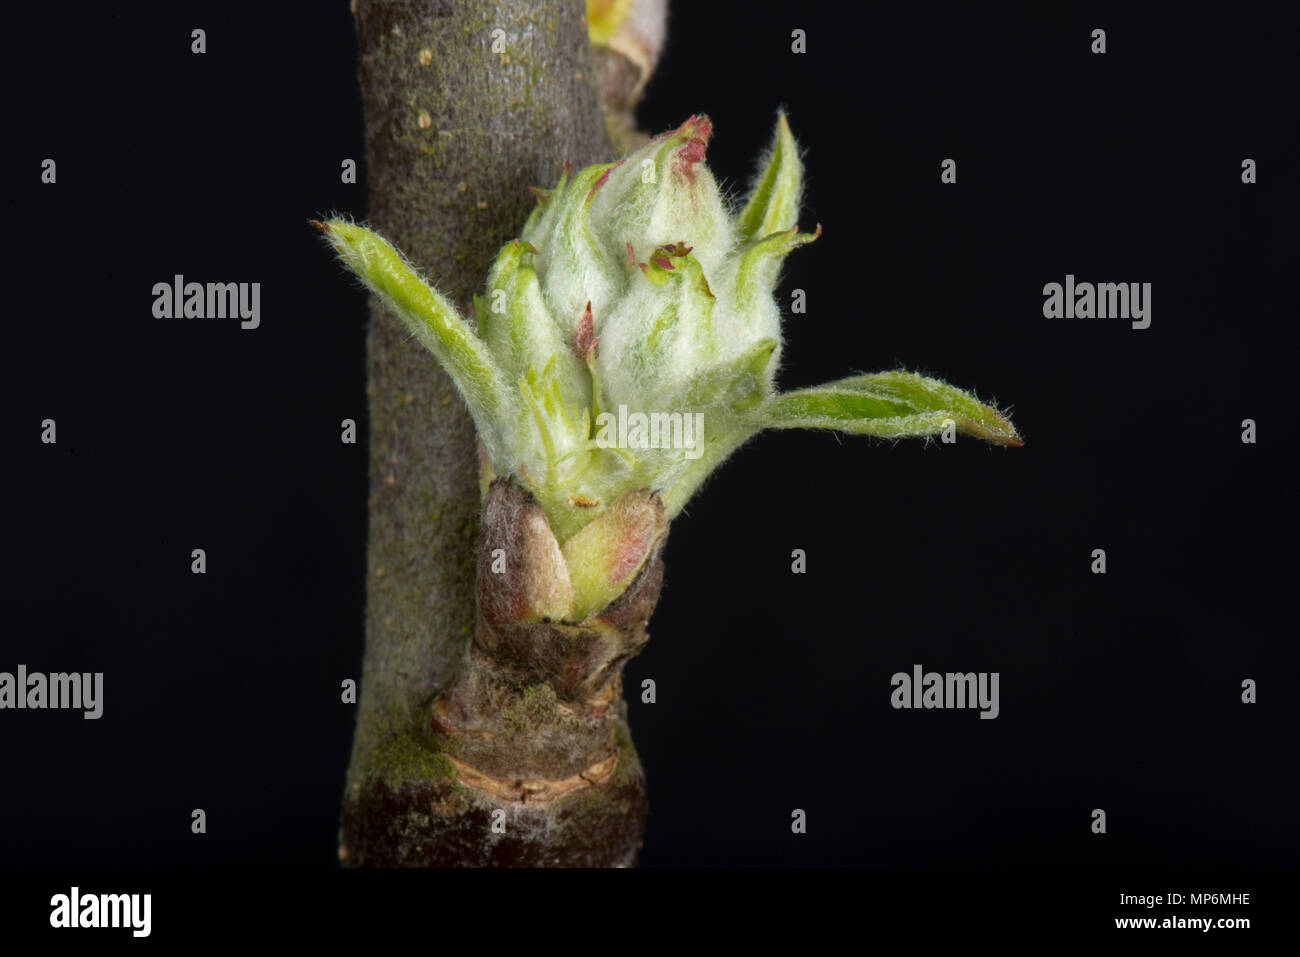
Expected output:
(773, 202)
(433, 320)
(890, 405)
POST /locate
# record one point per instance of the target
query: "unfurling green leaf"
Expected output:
(889, 405)
(773, 204)
(429, 317)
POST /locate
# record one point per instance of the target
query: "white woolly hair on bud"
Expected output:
(637, 295)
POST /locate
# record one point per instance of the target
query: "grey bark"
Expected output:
(455, 132)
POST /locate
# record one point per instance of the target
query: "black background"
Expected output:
(1119, 691)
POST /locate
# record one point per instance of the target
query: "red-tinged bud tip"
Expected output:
(697, 130)
(631, 256)
(663, 262)
(697, 126)
(584, 338)
(324, 228)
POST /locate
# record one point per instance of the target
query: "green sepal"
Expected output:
(759, 261)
